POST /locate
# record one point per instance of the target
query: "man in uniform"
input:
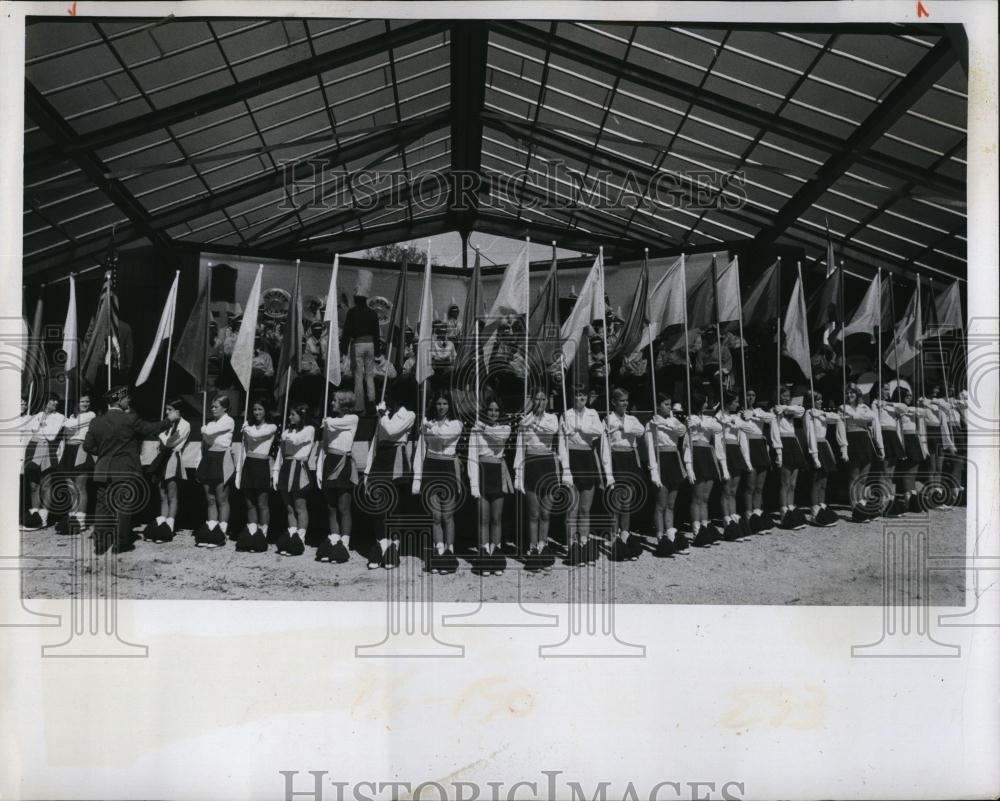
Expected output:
(114, 440)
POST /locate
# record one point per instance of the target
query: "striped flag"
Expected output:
(103, 328)
(164, 332)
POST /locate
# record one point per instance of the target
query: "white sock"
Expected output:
(81, 516)
(212, 523)
(263, 527)
(334, 537)
(32, 510)
(671, 534)
(291, 530)
(224, 525)
(44, 514)
(346, 540)
(170, 522)
(438, 546)
(815, 510)
(301, 532)
(160, 519)
(252, 528)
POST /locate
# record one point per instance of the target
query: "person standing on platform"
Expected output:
(114, 440)
(360, 333)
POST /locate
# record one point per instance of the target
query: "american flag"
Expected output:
(109, 307)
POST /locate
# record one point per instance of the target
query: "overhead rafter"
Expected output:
(469, 46)
(91, 246)
(720, 104)
(56, 128)
(234, 93)
(902, 97)
(572, 238)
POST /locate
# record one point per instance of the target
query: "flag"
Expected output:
(831, 264)
(948, 306)
(666, 304)
(164, 331)
(761, 305)
(639, 315)
(544, 319)
(589, 306)
(331, 317)
(35, 374)
(191, 353)
(823, 306)
(511, 298)
(70, 345)
(423, 367)
(797, 330)
(470, 319)
(291, 342)
(886, 315)
(903, 347)
(728, 287)
(103, 327)
(242, 359)
(396, 346)
(867, 317)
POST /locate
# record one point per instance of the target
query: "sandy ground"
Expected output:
(814, 566)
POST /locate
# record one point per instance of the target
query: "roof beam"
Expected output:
(664, 83)
(56, 128)
(469, 45)
(900, 99)
(199, 207)
(241, 90)
(572, 239)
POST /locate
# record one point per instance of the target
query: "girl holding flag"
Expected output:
(585, 457)
(77, 463)
(623, 431)
(337, 474)
(214, 471)
(40, 458)
(168, 470)
(736, 432)
(537, 475)
(254, 478)
(490, 482)
(666, 469)
(789, 457)
(293, 478)
(705, 459)
(864, 446)
(763, 431)
(913, 426)
(824, 462)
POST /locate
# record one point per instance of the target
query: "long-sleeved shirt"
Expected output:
(359, 322)
(623, 432)
(176, 437)
(704, 430)
(440, 438)
(76, 427)
(662, 433)
(297, 444)
(815, 423)
(217, 435)
(938, 414)
(489, 441)
(395, 428)
(863, 418)
(258, 439)
(766, 424)
(737, 431)
(786, 417)
(537, 432)
(338, 433)
(888, 415)
(46, 427)
(581, 429)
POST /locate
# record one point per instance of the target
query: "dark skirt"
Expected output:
(68, 462)
(894, 450)
(540, 471)
(210, 468)
(735, 462)
(911, 442)
(256, 475)
(440, 479)
(491, 480)
(671, 470)
(827, 461)
(625, 464)
(35, 462)
(583, 466)
(759, 457)
(860, 448)
(294, 476)
(935, 440)
(705, 466)
(384, 464)
(337, 469)
(792, 457)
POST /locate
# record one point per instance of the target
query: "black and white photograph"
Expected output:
(562, 316)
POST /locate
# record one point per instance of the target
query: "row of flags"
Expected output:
(691, 293)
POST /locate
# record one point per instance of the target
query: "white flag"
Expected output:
(70, 345)
(512, 297)
(666, 303)
(589, 307)
(242, 359)
(796, 330)
(867, 318)
(331, 317)
(163, 332)
(426, 337)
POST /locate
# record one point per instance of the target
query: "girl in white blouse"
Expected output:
(705, 459)
(437, 478)
(293, 477)
(254, 478)
(864, 447)
(664, 433)
(537, 475)
(912, 424)
(214, 471)
(815, 425)
(937, 422)
(40, 459)
(490, 482)
(338, 476)
(790, 458)
(387, 472)
(582, 451)
(736, 432)
(763, 440)
(167, 470)
(77, 463)
(624, 431)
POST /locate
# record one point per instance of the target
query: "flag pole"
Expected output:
(687, 358)
(944, 371)
(604, 332)
(562, 372)
(204, 373)
(743, 361)
(527, 316)
(879, 354)
(288, 372)
(107, 299)
(329, 339)
(718, 328)
(72, 296)
(652, 353)
(843, 338)
(918, 338)
(475, 329)
(402, 331)
(895, 338)
(777, 389)
(811, 392)
(166, 366)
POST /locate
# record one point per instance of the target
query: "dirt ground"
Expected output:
(814, 566)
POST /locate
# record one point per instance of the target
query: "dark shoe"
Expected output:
(200, 533)
(450, 561)
(102, 542)
(746, 529)
(213, 538)
(915, 505)
(664, 547)
(712, 533)
(33, 521)
(533, 560)
(859, 515)
(575, 555)
(481, 561)
(232, 534)
(376, 558)
(680, 542)
(732, 531)
(591, 551)
(291, 545)
(62, 526)
(548, 558)
(756, 524)
(391, 555)
(339, 553)
(798, 519)
(619, 550)
(324, 552)
(828, 517)
(498, 562)
(245, 540)
(163, 533)
(634, 546)
(702, 537)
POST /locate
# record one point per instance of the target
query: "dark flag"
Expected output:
(191, 352)
(102, 328)
(35, 373)
(637, 322)
(470, 319)
(761, 305)
(543, 327)
(291, 343)
(396, 343)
